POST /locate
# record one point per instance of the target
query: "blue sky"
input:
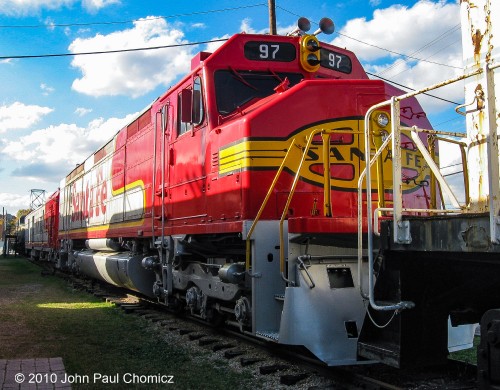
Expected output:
(55, 111)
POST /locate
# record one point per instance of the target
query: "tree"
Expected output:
(20, 213)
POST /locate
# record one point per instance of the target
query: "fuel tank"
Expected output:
(117, 268)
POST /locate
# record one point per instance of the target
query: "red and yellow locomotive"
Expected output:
(234, 194)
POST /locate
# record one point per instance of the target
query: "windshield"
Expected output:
(235, 88)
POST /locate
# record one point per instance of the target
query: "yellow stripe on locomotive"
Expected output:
(346, 156)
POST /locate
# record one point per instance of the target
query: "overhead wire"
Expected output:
(421, 49)
(411, 66)
(111, 51)
(51, 25)
(400, 54)
(378, 47)
(172, 16)
(451, 165)
(454, 119)
(412, 89)
(429, 56)
(203, 42)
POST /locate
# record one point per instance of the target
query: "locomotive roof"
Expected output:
(234, 53)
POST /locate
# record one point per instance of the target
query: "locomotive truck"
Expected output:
(271, 189)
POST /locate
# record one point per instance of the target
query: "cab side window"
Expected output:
(197, 102)
(183, 111)
(190, 110)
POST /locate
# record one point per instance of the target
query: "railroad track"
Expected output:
(276, 367)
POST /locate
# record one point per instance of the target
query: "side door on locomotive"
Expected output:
(185, 127)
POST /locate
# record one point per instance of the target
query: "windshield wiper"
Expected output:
(241, 78)
(277, 76)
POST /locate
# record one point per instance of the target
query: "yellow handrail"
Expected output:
(327, 204)
(377, 141)
(264, 203)
(290, 195)
(325, 133)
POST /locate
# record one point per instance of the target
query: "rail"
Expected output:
(401, 229)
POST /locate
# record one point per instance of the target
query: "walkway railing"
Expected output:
(401, 231)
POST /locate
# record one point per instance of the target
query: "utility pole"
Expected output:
(4, 232)
(272, 17)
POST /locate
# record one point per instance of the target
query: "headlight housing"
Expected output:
(382, 119)
(310, 57)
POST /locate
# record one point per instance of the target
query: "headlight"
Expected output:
(384, 134)
(382, 119)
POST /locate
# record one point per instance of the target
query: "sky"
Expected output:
(55, 111)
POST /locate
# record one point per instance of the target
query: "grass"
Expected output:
(44, 317)
(467, 355)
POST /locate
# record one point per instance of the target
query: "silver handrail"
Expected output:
(401, 228)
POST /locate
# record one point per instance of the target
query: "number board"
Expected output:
(335, 61)
(270, 51)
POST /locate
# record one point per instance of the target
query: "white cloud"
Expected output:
(398, 28)
(246, 27)
(81, 111)
(212, 46)
(95, 5)
(31, 7)
(46, 89)
(50, 24)
(102, 130)
(14, 202)
(48, 154)
(132, 73)
(286, 29)
(34, 7)
(20, 116)
(199, 26)
(428, 30)
(48, 145)
(83, 31)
